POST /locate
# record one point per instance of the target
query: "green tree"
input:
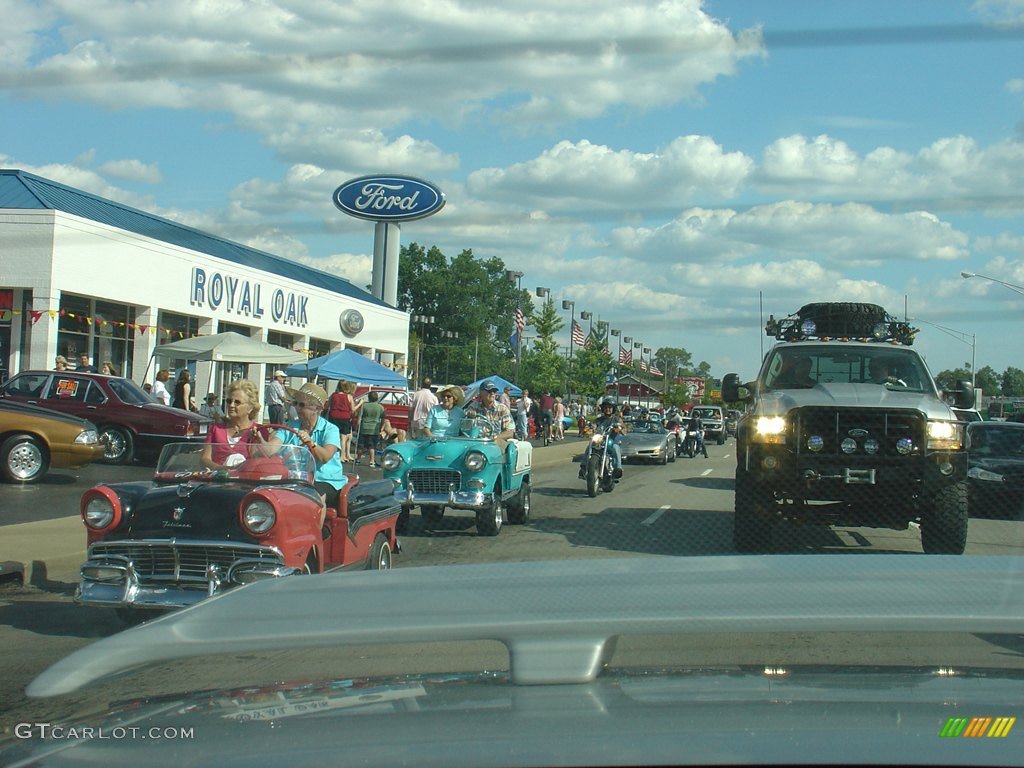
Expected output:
(987, 380)
(472, 304)
(673, 361)
(589, 369)
(1013, 382)
(544, 367)
(677, 395)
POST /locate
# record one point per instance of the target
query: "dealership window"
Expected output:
(279, 339)
(319, 348)
(74, 327)
(101, 329)
(174, 327)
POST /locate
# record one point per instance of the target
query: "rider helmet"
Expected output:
(608, 404)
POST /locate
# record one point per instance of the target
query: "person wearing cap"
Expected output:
(608, 420)
(445, 419)
(277, 398)
(211, 409)
(496, 414)
(322, 439)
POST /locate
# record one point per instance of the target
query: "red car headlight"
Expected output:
(257, 514)
(101, 509)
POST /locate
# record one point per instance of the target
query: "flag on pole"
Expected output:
(654, 370)
(625, 356)
(520, 321)
(577, 334)
(643, 366)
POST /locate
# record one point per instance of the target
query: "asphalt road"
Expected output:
(683, 509)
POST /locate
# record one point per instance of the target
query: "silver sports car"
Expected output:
(648, 441)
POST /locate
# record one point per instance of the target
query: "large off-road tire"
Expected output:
(23, 459)
(944, 526)
(490, 519)
(380, 554)
(519, 507)
(752, 527)
(592, 467)
(432, 514)
(120, 444)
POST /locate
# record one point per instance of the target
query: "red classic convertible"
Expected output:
(193, 531)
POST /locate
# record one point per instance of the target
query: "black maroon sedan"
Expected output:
(996, 474)
(129, 422)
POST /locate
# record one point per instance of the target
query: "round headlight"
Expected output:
(475, 461)
(904, 445)
(849, 445)
(99, 512)
(259, 516)
(808, 327)
(880, 331)
(871, 446)
(392, 460)
(815, 443)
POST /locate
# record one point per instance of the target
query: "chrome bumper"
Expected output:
(113, 582)
(453, 499)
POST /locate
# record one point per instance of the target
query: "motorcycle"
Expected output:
(599, 472)
(692, 443)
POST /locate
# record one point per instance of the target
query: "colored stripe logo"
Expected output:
(976, 727)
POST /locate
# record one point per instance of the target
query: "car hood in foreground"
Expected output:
(558, 683)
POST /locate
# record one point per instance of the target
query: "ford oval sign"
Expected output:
(389, 198)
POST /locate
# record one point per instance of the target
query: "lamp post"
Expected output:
(1015, 288)
(448, 351)
(571, 306)
(423, 321)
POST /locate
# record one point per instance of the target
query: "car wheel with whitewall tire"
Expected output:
(752, 527)
(519, 507)
(432, 514)
(944, 527)
(490, 519)
(380, 554)
(120, 445)
(23, 459)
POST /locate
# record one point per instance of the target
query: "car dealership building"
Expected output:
(79, 273)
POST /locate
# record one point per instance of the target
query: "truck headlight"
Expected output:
(475, 461)
(392, 460)
(770, 429)
(945, 436)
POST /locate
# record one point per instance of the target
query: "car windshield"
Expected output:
(270, 211)
(806, 366)
(129, 392)
(226, 463)
(997, 440)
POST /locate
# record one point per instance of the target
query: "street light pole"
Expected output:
(960, 336)
(517, 278)
(1015, 288)
(423, 321)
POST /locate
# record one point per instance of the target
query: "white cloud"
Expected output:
(132, 170)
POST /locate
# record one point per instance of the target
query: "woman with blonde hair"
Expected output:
(239, 431)
(340, 410)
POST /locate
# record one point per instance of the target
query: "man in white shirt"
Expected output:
(420, 403)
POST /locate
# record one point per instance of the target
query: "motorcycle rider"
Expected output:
(608, 418)
(696, 424)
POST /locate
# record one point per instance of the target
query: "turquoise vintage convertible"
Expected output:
(468, 472)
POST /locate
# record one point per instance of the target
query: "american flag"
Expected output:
(577, 334)
(654, 370)
(625, 356)
(643, 366)
(520, 320)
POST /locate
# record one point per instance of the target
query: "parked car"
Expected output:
(469, 472)
(995, 474)
(130, 423)
(649, 441)
(395, 402)
(192, 531)
(32, 440)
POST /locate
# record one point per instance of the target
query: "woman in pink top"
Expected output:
(235, 436)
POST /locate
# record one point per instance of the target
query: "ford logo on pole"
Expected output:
(389, 198)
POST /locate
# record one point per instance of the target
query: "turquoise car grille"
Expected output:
(434, 480)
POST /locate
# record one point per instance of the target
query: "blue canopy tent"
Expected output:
(473, 389)
(350, 366)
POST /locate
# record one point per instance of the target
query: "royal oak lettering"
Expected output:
(230, 293)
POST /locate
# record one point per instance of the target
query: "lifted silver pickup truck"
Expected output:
(845, 425)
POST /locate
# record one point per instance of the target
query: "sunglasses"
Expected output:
(307, 405)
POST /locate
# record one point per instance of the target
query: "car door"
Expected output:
(26, 388)
(77, 395)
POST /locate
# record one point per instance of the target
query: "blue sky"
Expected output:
(664, 165)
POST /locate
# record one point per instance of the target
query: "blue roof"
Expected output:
(22, 190)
